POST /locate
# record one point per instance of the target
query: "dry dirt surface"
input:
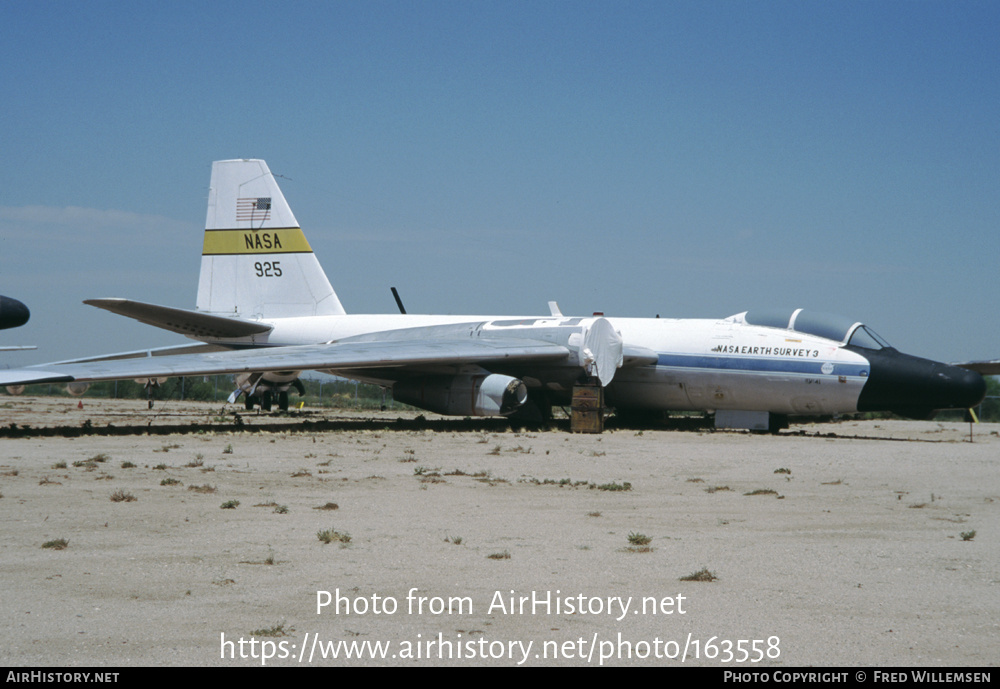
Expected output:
(197, 537)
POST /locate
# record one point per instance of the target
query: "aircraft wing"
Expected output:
(343, 355)
(984, 368)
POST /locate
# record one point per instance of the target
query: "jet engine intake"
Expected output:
(469, 395)
(76, 388)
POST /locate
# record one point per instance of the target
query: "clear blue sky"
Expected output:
(691, 159)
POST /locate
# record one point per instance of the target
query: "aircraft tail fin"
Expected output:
(256, 261)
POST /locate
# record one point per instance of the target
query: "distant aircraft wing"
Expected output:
(985, 368)
(344, 356)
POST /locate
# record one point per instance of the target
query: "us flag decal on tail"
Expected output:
(253, 209)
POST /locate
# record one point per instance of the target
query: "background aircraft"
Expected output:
(13, 314)
(265, 311)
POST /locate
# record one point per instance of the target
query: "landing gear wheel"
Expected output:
(283, 400)
(536, 411)
(266, 400)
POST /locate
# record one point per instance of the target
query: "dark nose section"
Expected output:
(12, 313)
(915, 387)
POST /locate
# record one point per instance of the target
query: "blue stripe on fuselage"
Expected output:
(760, 364)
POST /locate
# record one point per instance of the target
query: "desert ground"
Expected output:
(452, 543)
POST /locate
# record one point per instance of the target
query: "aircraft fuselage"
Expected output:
(701, 364)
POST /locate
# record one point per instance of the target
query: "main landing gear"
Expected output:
(266, 400)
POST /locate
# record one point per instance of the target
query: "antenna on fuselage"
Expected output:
(399, 302)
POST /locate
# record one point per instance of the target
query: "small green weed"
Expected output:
(639, 539)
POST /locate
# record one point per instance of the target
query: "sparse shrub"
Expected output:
(701, 575)
(327, 536)
(170, 482)
(57, 544)
(968, 535)
(276, 630)
(615, 486)
(502, 555)
(230, 504)
(328, 506)
(122, 496)
(128, 465)
(638, 539)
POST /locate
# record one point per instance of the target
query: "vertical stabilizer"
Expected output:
(256, 262)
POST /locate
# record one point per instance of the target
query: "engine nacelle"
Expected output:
(77, 389)
(463, 395)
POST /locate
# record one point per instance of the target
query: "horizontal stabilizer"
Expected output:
(191, 323)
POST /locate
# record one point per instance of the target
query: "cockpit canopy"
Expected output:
(830, 326)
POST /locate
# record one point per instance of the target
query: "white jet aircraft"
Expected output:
(265, 312)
